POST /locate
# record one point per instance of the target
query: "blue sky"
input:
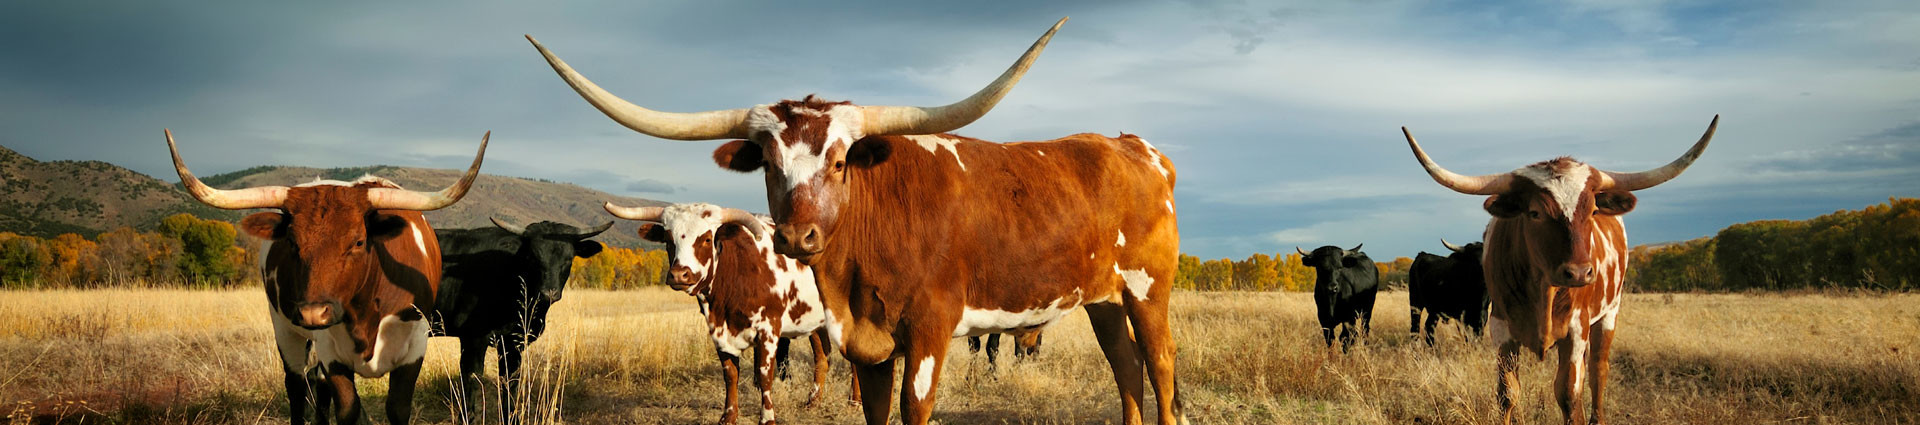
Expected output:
(1282, 117)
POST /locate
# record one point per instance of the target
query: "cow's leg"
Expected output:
(1566, 380)
(1599, 361)
(473, 358)
(1326, 333)
(853, 384)
(1433, 327)
(1413, 326)
(322, 392)
(765, 364)
(296, 396)
(400, 383)
(780, 357)
(510, 357)
(1503, 391)
(1027, 345)
(347, 402)
(993, 352)
(1117, 343)
(876, 386)
(973, 344)
(1155, 333)
(1346, 334)
(925, 357)
(821, 367)
(730, 369)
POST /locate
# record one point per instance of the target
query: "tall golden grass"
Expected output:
(162, 356)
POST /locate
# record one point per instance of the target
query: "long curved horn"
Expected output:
(240, 199)
(885, 120)
(595, 231)
(744, 219)
(1302, 253)
(1451, 247)
(509, 227)
(1490, 184)
(1356, 247)
(723, 124)
(1650, 178)
(402, 199)
(636, 213)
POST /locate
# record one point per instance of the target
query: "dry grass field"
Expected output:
(159, 356)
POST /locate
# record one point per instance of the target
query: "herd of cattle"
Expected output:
(888, 237)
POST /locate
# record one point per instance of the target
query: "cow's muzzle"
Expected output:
(320, 315)
(1573, 275)
(681, 277)
(800, 241)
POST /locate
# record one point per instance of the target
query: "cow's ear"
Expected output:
(381, 225)
(267, 225)
(585, 249)
(653, 232)
(1614, 203)
(1504, 206)
(739, 155)
(868, 152)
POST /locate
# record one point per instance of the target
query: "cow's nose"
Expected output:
(318, 315)
(1576, 274)
(801, 240)
(682, 275)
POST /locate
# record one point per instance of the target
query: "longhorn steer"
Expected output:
(755, 297)
(1450, 286)
(352, 268)
(1344, 285)
(917, 236)
(497, 285)
(1555, 256)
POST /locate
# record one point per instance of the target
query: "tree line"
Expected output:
(182, 251)
(1262, 272)
(1873, 248)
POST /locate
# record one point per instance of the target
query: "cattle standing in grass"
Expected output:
(1556, 254)
(1345, 282)
(497, 285)
(918, 236)
(352, 268)
(755, 297)
(1024, 345)
(1450, 286)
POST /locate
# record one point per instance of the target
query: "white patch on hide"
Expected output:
(923, 380)
(1122, 241)
(932, 143)
(1139, 283)
(1153, 157)
(977, 322)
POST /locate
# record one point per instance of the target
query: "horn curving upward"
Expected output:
(239, 199)
(636, 213)
(1635, 181)
(709, 125)
(509, 227)
(889, 120)
(1490, 184)
(402, 199)
(744, 219)
(1451, 247)
(596, 230)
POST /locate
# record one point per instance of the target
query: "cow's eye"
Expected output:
(839, 166)
(1533, 214)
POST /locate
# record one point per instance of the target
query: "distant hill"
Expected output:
(88, 197)
(46, 199)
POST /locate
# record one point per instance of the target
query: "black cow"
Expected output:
(1450, 287)
(1344, 285)
(497, 285)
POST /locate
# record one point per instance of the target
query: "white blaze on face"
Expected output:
(932, 143)
(1139, 283)
(797, 159)
(923, 380)
(1565, 187)
(686, 224)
